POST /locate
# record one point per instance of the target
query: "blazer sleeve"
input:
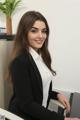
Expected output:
(24, 97)
(53, 94)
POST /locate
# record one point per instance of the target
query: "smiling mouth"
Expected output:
(39, 41)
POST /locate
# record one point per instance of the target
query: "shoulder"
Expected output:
(22, 59)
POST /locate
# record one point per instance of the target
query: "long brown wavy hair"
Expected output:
(21, 40)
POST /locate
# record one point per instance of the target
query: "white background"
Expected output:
(63, 17)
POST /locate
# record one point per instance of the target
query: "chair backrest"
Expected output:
(9, 115)
(75, 105)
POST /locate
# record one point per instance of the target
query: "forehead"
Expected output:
(39, 24)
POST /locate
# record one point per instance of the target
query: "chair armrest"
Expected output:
(55, 105)
(9, 115)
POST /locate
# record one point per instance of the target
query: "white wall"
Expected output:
(64, 19)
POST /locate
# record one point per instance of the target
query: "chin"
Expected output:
(39, 46)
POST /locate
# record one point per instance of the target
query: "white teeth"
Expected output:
(39, 40)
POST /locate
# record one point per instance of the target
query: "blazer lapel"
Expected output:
(37, 73)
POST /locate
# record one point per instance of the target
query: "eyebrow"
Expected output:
(37, 28)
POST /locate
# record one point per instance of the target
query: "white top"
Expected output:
(45, 73)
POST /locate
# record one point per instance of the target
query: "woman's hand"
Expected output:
(62, 99)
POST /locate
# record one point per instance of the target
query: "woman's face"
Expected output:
(37, 35)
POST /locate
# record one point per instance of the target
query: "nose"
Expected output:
(40, 34)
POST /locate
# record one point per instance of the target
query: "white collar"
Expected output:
(34, 54)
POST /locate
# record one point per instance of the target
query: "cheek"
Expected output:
(31, 41)
(45, 37)
(31, 37)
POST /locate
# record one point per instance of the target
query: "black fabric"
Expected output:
(28, 92)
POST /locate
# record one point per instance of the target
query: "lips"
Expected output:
(39, 41)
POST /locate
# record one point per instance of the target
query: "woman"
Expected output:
(31, 72)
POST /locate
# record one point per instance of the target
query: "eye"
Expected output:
(44, 31)
(33, 30)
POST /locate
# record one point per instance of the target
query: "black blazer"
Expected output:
(28, 91)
